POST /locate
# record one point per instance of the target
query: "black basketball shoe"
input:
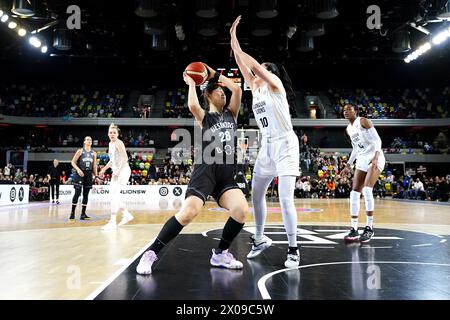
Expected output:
(84, 217)
(353, 235)
(367, 234)
(72, 217)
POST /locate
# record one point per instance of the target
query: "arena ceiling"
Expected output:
(171, 32)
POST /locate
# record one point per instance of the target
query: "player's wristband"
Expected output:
(216, 77)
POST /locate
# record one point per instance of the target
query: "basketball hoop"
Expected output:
(243, 145)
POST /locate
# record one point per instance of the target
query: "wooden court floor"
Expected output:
(43, 256)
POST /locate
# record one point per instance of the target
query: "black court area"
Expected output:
(396, 264)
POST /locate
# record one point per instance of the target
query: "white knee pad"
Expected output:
(368, 197)
(354, 202)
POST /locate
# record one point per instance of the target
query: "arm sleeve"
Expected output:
(352, 157)
(374, 138)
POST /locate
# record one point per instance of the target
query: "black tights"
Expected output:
(76, 196)
(54, 184)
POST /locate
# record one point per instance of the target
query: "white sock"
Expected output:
(355, 223)
(259, 189)
(370, 221)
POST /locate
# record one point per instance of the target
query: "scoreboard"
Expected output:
(234, 75)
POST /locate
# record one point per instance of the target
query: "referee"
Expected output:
(54, 174)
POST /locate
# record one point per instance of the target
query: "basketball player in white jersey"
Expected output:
(121, 172)
(279, 153)
(370, 163)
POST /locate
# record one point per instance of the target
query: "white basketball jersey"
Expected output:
(271, 110)
(360, 139)
(114, 156)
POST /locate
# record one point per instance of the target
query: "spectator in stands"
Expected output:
(441, 143)
(398, 194)
(430, 188)
(427, 148)
(7, 170)
(407, 184)
(331, 188)
(379, 189)
(417, 190)
(19, 175)
(307, 187)
(63, 177)
(299, 188)
(343, 188)
(443, 189)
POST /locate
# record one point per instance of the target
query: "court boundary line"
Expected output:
(426, 202)
(265, 293)
(116, 274)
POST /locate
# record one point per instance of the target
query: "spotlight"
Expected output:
(44, 49)
(4, 18)
(326, 9)
(441, 37)
(425, 47)
(148, 8)
(12, 25)
(24, 8)
(444, 12)
(1, 13)
(35, 42)
(266, 9)
(22, 32)
(207, 9)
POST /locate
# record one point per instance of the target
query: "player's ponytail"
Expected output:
(279, 70)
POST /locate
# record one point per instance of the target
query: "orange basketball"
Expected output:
(198, 72)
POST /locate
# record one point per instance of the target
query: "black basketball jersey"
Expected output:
(219, 135)
(86, 160)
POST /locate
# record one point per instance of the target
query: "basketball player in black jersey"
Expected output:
(210, 178)
(85, 163)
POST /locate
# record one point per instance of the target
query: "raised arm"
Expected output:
(245, 70)
(193, 103)
(273, 81)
